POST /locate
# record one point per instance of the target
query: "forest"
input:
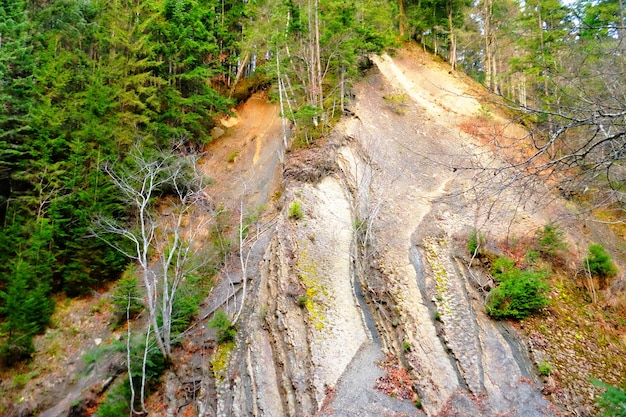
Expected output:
(84, 82)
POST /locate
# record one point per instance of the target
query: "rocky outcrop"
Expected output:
(367, 268)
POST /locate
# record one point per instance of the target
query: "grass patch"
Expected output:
(398, 103)
(544, 368)
(20, 380)
(232, 157)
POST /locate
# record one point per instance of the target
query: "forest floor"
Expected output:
(425, 185)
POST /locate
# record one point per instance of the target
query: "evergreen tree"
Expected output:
(16, 79)
(26, 305)
(185, 42)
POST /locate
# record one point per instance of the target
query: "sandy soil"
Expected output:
(246, 159)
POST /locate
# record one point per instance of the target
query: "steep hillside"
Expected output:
(360, 296)
(373, 278)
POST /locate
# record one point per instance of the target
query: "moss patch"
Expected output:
(315, 292)
(581, 341)
(219, 360)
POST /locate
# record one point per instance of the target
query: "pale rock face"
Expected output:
(372, 269)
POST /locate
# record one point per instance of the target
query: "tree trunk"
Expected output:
(452, 57)
(489, 60)
(318, 56)
(401, 18)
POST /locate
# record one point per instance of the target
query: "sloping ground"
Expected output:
(359, 299)
(77, 359)
(379, 224)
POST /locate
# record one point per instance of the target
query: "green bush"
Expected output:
(519, 294)
(184, 309)
(475, 242)
(225, 330)
(551, 240)
(544, 367)
(302, 301)
(532, 257)
(116, 402)
(613, 401)
(501, 266)
(599, 262)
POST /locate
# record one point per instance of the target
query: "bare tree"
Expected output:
(163, 242)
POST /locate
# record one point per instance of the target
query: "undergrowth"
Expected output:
(578, 337)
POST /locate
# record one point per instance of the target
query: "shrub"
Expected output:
(519, 294)
(127, 288)
(116, 402)
(531, 257)
(397, 103)
(483, 113)
(185, 307)
(232, 156)
(613, 401)
(225, 330)
(599, 262)
(551, 240)
(295, 210)
(544, 368)
(501, 266)
(475, 242)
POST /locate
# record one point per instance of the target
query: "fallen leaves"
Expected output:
(396, 382)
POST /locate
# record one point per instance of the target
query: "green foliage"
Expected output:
(613, 401)
(127, 299)
(225, 330)
(551, 240)
(302, 301)
(484, 113)
(185, 307)
(532, 257)
(93, 356)
(544, 368)
(20, 380)
(26, 305)
(475, 242)
(501, 266)
(519, 294)
(232, 156)
(599, 262)
(295, 210)
(81, 83)
(397, 103)
(117, 401)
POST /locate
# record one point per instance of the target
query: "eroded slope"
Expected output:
(370, 271)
